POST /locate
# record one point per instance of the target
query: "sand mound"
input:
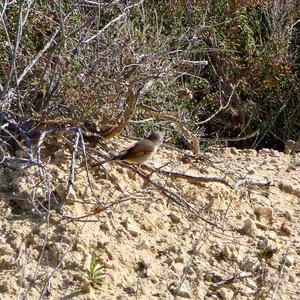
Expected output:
(222, 227)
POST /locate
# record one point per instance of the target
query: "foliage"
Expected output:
(95, 272)
(98, 51)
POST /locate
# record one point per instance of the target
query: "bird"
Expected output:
(139, 152)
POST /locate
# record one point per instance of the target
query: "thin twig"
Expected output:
(112, 22)
(221, 108)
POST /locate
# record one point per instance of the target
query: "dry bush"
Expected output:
(81, 59)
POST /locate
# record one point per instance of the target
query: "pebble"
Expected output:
(184, 290)
(226, 252)
(201, 294)
(143, 245)
(251, 169)
(131, 226)
(292, 278)
(174, 249)
(286, 229)
(109, 265)
(174, 218)
(272, 236)
(249, 227)
(264, 212)
(289, 260)
(130, 289)
(179, 259)
(288, 215)
(226, 294)
(189, 270)
(234, 151)
(261, 226)
(248, 266)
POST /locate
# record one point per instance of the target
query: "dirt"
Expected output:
(167, 238)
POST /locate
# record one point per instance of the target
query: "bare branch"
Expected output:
(38, 56)
(179, 126)
(112, 22)
(221, 108)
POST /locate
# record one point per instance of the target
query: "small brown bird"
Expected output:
(140, 151)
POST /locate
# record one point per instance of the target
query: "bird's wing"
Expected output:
(139, 149)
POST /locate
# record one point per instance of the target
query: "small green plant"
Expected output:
(95, 272)
(266, 251)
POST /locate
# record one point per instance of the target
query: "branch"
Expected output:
(131, 103)
(180, 127)
(112, 22)
(38, 56)
(190, 178)
(221, 107)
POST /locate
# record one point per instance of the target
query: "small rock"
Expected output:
(234, 151)
(201, 294)
(182, 291)
(174, 249)
(130, 289)
(168, 261)
(193, 251)
(249, 227)
(85, 286)
(284, 228)
(6, 250)
(250, 152)
(148, 227)
(248, 265)
(213, 277)
(144, 245)
(289, 260)
(291, 278)
(179, 259)
(274, 153)
(251, 169)
(133, 230)
(226, 294)
(22, 282)
(80, 248)
(104, 226)
(144, 263)
(261, 226)
(189, 270)
(5, 286)
(272, 236)
(288, 215)
(174, 218)
(226, 252)
(109, 265)
(7, 262)
(264, 213)
(264, 151)
(131, 226)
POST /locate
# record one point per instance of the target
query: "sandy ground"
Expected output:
(220, 242)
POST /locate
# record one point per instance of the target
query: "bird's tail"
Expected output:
(100, 163)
